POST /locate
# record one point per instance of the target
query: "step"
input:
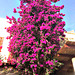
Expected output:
(69, 50)
(70, 43)
(62, 58)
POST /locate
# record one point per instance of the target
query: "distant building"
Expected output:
(70, 36)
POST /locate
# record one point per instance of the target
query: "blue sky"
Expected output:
(6, 8)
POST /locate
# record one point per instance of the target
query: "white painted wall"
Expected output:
(4, 33)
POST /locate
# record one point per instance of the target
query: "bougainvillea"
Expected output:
(34, 36)
(0, 62)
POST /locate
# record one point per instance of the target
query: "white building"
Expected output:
(70, 36)
(3, 33)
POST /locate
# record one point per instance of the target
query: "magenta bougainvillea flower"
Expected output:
(0, 47)
(34, 36)
(0, 62)
(14, 10)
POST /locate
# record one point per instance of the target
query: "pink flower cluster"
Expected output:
(29, 1)
(34, 37)
(0, 62)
